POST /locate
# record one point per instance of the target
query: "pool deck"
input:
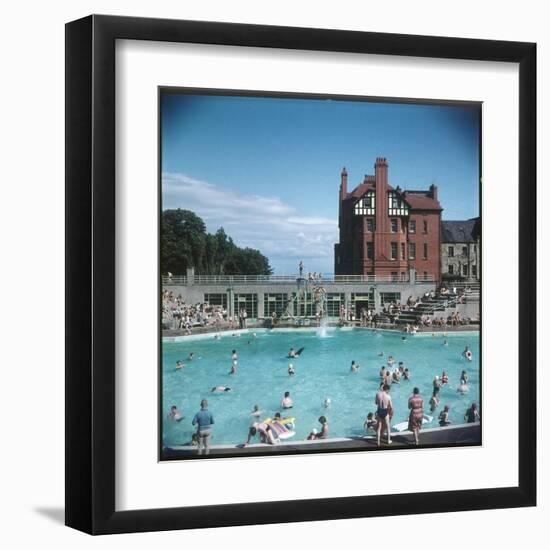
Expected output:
(461, 434)
(209, 332)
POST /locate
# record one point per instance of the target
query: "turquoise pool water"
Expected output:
(323, 370)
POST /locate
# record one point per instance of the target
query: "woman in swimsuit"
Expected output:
(416, 416)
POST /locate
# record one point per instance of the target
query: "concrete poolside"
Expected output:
(204, 331)
(462, 434)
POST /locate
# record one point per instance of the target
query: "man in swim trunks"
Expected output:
(291, 353)
(179, 365)
(354, 367)
(291, 371)
(416, 416)
(383, 403)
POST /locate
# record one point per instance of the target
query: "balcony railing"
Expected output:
(179, 280)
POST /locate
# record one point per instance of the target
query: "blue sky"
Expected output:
(268, 169)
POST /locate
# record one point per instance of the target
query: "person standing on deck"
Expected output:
(384, 404)
(204, 421)
(416, 416)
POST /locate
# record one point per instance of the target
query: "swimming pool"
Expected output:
(323, 370)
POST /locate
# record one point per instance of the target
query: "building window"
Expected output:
(451, 269)
(370, 225)
(365, 205)
(412, 251)
(475, 248)
(465, 270)
(402, 251)
(394, 251)
(304, 305)
(275, 303)
(248, 302)
(370, 251)
(394, 225)
(464, 250)
(425, 227)
(394, 276)
(451, 252)
(334, 301)
(412, 226)
(216, 300)
(474, 271)
(425, 254)
(396, 205)
(425, 275)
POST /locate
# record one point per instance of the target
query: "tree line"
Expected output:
(185, 243)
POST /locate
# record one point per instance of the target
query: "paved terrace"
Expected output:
(463, 434)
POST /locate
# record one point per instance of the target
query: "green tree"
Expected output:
(185, 243)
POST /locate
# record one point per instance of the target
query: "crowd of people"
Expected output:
(378, 422)
(178, 315)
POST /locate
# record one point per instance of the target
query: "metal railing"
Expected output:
(179, 280)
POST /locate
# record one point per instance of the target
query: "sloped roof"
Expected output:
(459, 231)
(360, 190)
(421, 200)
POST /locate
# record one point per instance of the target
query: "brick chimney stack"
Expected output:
(343, 183)
(433, 191)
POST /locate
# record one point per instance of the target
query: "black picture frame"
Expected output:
(90, 273)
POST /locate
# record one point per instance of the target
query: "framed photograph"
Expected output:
(300, 274)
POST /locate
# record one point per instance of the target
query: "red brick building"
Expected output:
(384, 231)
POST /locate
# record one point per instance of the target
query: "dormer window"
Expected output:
(396, 205)
(365, 205)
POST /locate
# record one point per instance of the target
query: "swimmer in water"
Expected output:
(233, 368)
(444, 378)
(291, 371)
(292, 353)
(467, 354)
(220, 389)
(464, 377)
(234, 356)
(327, 403)
(256, 412)
(174, 415)
(179, 365)
(462, 388)
(381, 354)
(396, 377)
(445, 343)
(382, 372)
(191, 356)
(444, 416)
(286, 402)
(354, 367)
(403, 338)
